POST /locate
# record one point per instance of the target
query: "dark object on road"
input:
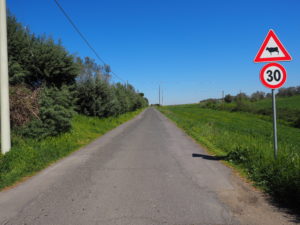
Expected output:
(208, 157)
(275, 49)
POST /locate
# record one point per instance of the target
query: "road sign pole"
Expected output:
(274, 123)
(4, 92)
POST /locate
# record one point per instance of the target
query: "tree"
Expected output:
(228, 98)
(259, 95)
(37, 61)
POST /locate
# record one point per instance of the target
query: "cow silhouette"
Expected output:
(274, 49)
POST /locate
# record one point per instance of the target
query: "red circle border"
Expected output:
(261, 75)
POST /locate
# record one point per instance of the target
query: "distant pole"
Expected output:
(274, 123)
(162, 96)
(4, 92)
(223, 100)
(159, 94)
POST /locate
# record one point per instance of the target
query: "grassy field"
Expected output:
(288, 108)
(246, 141)
(28, 156)
(292, 103)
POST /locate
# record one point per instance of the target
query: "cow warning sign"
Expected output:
(272, 50)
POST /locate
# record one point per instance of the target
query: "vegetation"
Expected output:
(54, 84)
(287, 104)
(30, 155)
(246, 141)
(58, 102)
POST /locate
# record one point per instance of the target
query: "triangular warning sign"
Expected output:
(272, 50)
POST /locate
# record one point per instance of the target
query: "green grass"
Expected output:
(246, 141)
(28, 156)
(288, 108)
(292, 103)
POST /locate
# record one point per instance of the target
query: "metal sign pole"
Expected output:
(274, 123)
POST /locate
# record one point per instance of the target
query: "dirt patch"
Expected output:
(250, 206)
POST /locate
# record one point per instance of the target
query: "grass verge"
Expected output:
(246, 141)
(29, 156)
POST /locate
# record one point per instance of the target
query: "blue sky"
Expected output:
(194, 49)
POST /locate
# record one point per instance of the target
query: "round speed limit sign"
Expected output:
(273, 75)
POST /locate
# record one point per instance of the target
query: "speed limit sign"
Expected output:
(273, 75)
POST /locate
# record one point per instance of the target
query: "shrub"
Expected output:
(259, 95)
(95, 98)
(56, 111)
(210, 103)
(23, 105)
(228, 98)
(297, 122)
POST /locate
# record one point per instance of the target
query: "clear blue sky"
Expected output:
(193, 49)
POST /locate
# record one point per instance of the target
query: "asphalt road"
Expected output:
(146, 171)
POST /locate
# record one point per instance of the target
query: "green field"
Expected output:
(288, 108)
(292, 103)
(28, 156)
(246, 141)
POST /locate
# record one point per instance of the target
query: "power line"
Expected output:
(84, 38)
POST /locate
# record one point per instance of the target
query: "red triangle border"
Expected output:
(271, 34)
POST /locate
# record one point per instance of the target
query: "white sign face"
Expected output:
(272, 50)
(273, 75)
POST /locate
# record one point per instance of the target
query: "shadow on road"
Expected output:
(208, 157)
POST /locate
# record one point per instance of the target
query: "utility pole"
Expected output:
(223, 99)
(162, 96)
(159, 94)
(4, 92)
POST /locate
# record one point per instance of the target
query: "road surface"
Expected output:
(147, 171)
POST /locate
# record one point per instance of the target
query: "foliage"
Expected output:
(30, 155)
(56, 110)
(256, 96)
(96, 97)
(37, 61)
(23, 105)
(288, 92)
(37, 64)
(210, 103)
(288, 108)
(246, 140)
(228, 98)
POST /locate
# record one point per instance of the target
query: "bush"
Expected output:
(228, 98)
(95, 98)
(256, 96)
(210, 103)
(297, 122)
(23, 105)
(56, 111)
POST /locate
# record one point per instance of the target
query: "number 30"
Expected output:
(273, 76)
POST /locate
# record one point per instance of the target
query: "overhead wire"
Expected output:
(84, 38)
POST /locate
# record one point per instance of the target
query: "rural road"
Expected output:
(147, 171)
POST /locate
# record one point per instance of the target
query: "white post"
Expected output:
(4, 90)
